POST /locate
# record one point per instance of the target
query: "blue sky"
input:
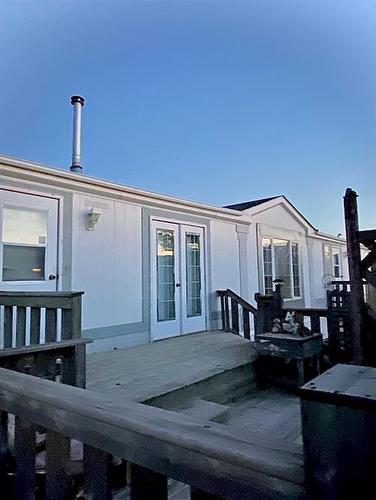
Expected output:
(214, 101)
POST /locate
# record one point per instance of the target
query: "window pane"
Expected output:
(23, 263)
(193, 274)
(268, 266)
(165, 275)
(24, 226)
(336, 264)
(282, 265)
(295, 269)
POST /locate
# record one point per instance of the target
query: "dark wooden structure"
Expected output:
(290, 347)
(361, 272)
(338, 424)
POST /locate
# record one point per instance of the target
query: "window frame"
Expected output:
(291, 267)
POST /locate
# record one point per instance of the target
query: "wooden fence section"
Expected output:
(155, 444)
(313, 316)
(39, 315)
(231, 306)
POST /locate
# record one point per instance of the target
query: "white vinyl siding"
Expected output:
(281, 261)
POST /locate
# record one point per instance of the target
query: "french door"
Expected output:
(28, 242)
(177, 279)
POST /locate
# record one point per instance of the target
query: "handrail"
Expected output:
(160, 444)
(239, 299)
(234, 325)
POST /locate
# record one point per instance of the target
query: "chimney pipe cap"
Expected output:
(77, 98)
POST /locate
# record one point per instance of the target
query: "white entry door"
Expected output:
(28, 244)
(177, 279)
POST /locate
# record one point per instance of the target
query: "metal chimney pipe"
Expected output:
(77, 101)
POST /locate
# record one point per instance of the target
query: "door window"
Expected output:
(24, 238)
(193, 274)
(165, 275)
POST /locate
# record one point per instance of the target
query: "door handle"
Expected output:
(178, 285)
(52, 277)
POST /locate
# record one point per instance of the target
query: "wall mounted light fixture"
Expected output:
(92, 218)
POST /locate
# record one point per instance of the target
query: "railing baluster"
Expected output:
(35, 325)
(8, 326)
(246, 328)
(227, 314)
(96, 471)
(66, 324)
(223, 314)
(235, 316)
(315, 323)
(57, 466)
(51, 319)
(21, 327)
(24, 449)
(147, 484)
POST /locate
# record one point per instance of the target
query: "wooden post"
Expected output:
(3, 450)
(74, 367)
(356, 282)
(96, 472)
(57, 466)
(24, 450)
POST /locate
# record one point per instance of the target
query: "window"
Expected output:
(336, 262)
(281, 261)
(24, 238)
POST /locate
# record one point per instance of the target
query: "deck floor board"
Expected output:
(143, 372)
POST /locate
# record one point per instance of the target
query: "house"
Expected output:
(150, 264)
(283, 244)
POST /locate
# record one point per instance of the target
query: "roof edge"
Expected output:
(78, 178)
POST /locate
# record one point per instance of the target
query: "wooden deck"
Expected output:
(148, 371)
(167, 374)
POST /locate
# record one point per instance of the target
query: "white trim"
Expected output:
(181, 227)
(289, 242)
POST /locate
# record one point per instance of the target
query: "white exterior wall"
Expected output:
(107, 262)
(224, 256)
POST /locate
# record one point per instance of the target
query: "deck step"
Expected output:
(203, 411)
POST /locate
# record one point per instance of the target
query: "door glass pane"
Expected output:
(282, 265)
(268, 265)
(24, 226)
(295, 269)
(165, 275)
(193, 274)
(23, 263)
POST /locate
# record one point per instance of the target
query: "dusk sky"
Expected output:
(219, 102)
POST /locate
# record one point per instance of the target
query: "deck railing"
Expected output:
(32, 318)
(235, 313)
(156, 445)
(310, 319)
